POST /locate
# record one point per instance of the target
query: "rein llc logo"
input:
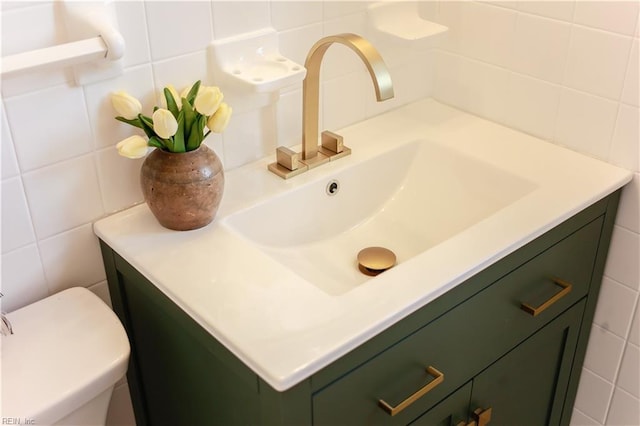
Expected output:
(17, 421)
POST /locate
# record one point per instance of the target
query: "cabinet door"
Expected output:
(450, 412)
(528, 385)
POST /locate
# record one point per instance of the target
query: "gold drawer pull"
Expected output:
(480, 418)
(438, 378)
(566, 288)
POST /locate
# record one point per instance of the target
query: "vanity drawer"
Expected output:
(426, 366)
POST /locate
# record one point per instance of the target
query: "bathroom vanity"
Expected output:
(487, 324)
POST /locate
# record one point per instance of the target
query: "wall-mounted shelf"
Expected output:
(401, 22)
(94, 56)
(252, 62)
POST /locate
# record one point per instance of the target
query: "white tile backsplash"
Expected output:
(335, 9)
(631, 89)
(616, 16)
(132, 25)
(597, 62)
(58, 126)
(232, 18)
(634, 334)
(493, 43)
(344, 100)
(604, 353)
(622, 263)
(63, 196)
(177, 28)
(566, 71)
(593, 395)
(287, 14)
(533, 105)
(625, 409)
(72, 259)
(289, 118)
(629, 209)
(249, 136)
(472, 85)
(630, 370)
(23, 280)
(585, 123)
(561, 10)
(17, 230)
(119, 180)
(616, 304)
(540, 47)
(9, 163)
(578, 418)
(624, 146)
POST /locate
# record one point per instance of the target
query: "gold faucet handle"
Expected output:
(332, 141)
(287, 158)
(333, 146)
(287, 163)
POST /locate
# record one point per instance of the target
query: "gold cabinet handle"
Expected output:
(566, 288)
(480, 417)
(438, 378)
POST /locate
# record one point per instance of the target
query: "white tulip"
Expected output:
(218, 121)
(208, 100)
(164, 123)
(126, 105)
(133, 147)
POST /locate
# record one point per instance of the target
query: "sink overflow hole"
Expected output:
(332, 187)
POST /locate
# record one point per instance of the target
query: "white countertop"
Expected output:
(286, 329)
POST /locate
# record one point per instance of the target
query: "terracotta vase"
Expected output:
(183, 190)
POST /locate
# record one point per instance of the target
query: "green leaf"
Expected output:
(191, 96)
(171, 103)
(146, 124)
(189, 118)
(169, 144)
(135, 122)
(196, 134)
(178, 138)
(157, 142)
(155, 108)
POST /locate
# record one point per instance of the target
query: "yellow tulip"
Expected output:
(133, 147)
(126, 105)
(219, 120)
(208, 100)
(164, 123)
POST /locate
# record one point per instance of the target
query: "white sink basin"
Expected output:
(407, 200)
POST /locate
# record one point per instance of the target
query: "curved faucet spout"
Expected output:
(311, 84)
(288, 163)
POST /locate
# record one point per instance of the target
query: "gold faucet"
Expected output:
(288, 162)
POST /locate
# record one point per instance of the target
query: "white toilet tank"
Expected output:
(61, 362)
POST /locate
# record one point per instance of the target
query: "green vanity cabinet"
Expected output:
(507, 344)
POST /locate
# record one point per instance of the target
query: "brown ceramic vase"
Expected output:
(183, 190)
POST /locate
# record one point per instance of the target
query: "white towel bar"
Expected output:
(61, 56)
(93, 57)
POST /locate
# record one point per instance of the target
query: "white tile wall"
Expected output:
(566, 71)
(597, 61)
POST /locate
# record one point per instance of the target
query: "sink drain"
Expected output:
(375, 260)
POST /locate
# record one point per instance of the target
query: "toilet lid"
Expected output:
(65, 350)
